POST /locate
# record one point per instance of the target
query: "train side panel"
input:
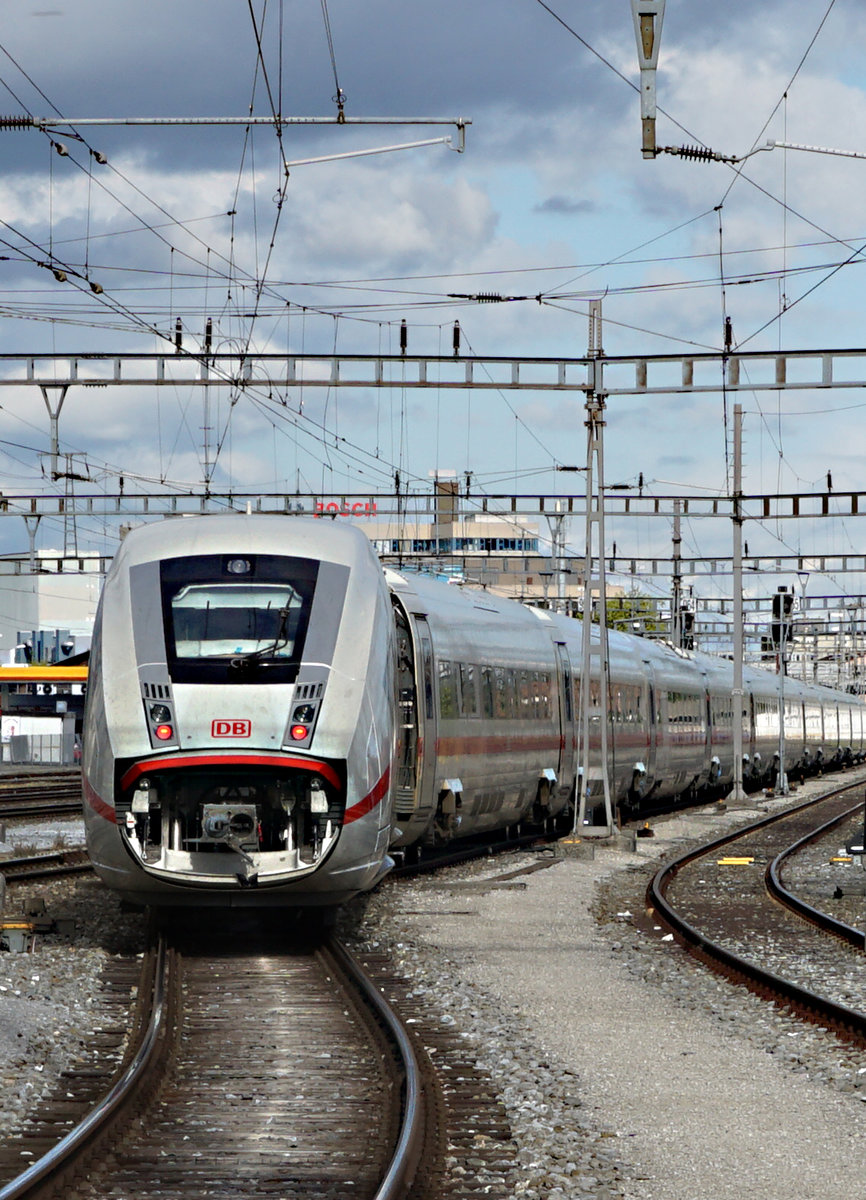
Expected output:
(490, 683)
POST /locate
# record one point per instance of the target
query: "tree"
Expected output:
(634, 613)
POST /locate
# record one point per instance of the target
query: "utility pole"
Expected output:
(557, 547)
(783, 609)
(594, 782)
(737, 794)
(32, 523)
(206, 426)
(648, 16)
(54, 417)
(676, 596)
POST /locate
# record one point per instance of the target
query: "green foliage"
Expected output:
(632, 614)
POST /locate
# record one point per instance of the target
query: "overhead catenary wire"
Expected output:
(261, 308)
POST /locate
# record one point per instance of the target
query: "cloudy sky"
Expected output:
(551, 201)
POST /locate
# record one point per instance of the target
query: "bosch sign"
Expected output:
(358, 508)
(231, 729)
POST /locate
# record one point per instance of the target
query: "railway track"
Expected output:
(51, 864)
(40, 794)
(727, 903)
(253, 1070)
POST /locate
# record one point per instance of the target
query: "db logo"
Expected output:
(231, 729)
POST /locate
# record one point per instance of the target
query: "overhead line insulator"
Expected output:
(16, 122)
(697, 153)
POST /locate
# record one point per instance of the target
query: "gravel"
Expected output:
(626, 1070)
(50, 999)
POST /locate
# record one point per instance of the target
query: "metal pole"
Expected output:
(782, 778)
(647, 16)
(587, 710)
(557, 548)
(32, 523)
(737, 794)
(54, 417)
(676, 598)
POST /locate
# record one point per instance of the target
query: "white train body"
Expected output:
(268, 713)
(214, 773)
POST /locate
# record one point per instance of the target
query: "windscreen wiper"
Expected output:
(249, 662)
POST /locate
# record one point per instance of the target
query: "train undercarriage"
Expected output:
(240, 824)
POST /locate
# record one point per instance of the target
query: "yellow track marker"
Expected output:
(734, 862)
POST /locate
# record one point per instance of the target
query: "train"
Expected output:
(273, 717)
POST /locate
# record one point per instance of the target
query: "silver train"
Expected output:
(271, 717)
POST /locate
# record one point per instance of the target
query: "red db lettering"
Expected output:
(231, 729)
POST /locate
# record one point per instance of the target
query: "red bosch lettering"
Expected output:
(342, 508)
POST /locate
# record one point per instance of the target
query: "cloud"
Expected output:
(552, 199)
(565, 206)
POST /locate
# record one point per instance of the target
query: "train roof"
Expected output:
(677, 666)
(445, 595)
(303, 537)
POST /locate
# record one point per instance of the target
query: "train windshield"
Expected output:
(226, 617)
(220, 619)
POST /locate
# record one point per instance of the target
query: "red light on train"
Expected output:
(299, 732)
(164, 732)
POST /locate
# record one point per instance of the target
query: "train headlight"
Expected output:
(164, 732)
(304, 714)
(238, 566)
(159, 714)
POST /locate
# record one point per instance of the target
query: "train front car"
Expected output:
(239, 723)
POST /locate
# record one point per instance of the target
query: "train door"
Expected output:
(651, 725)
(566, 771)
(415, 713)
(711, 769)
(750, 731)
(406, 756)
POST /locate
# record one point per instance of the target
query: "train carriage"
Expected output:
(491, 696)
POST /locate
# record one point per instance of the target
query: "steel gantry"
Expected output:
(598, 377)
(409, 505)
(624, 375)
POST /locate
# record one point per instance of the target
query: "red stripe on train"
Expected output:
(223, 760)
(369, 802)
(495, 744)
(96, 802)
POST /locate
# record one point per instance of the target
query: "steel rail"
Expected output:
(50, 864)
(45, 1170)
(410, 1144)
(480, 847)
(42, 779)
(836, 1016)
(773, 881)
(16, 810)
